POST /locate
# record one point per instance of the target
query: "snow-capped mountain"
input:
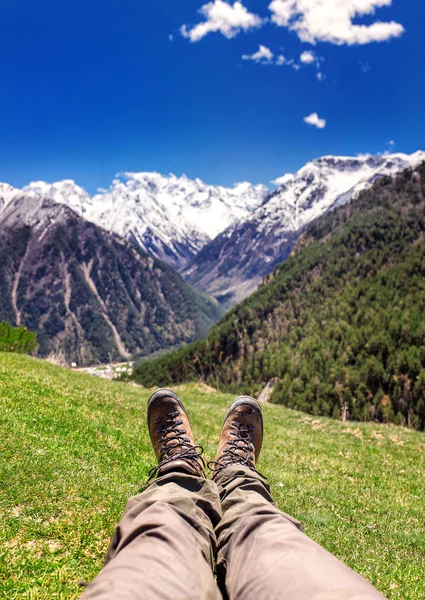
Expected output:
(63, 192)
(325, 183)
(231, 266)
(9, 193)
(224, 240)
(172, 218)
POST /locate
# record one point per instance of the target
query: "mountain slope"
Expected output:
(89, 295)
(340, 325)
(171, 218)
(232, 265)
(74, 448)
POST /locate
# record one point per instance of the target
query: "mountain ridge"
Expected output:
(224, 240)
(89, 294)
(169, 217)
(233, 265)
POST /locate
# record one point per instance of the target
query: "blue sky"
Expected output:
(90, 88)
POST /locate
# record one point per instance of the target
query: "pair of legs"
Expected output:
(172, 535)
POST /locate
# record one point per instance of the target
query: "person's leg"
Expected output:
(164, 546)
(263, 553)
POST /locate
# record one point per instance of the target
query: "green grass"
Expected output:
(74, 448)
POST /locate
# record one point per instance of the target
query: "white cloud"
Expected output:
(308, 57)
(226, 18)
(332, 20)
(314, 119)
(263, 54)
(280, 60)
(391, 143)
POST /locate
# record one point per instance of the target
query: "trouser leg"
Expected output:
(264, 555)
(164, 545)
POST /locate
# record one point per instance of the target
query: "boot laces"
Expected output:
(238, 451)
(174, 445)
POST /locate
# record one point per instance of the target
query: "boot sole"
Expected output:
(246, 400)
(164, 393)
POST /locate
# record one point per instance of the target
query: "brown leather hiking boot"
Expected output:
(172, 436)
(241, 436)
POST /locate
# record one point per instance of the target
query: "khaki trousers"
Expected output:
(165, 547)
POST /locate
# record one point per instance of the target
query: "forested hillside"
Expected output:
(341, 324)
(89, 295)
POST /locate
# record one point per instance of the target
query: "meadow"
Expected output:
(73, 449)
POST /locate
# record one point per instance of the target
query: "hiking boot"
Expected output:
(172, 437)
(241, 436)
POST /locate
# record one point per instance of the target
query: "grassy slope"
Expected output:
(74, 448)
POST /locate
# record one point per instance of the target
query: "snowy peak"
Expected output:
(175, 218)
(169, 217)
(63, 192)
(232, 266)
(8, 193)
(327, 182)
(207, 208)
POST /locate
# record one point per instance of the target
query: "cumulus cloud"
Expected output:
(263, 55)
(314, 120)
(266, 57)
(222, 17)
(308, 57)
(332, 21)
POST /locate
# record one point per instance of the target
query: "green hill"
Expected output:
(74, 448)
(340, 324)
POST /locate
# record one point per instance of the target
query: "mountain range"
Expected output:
(233, 265)
(224, 240)
(89, 274)
(172, 218)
